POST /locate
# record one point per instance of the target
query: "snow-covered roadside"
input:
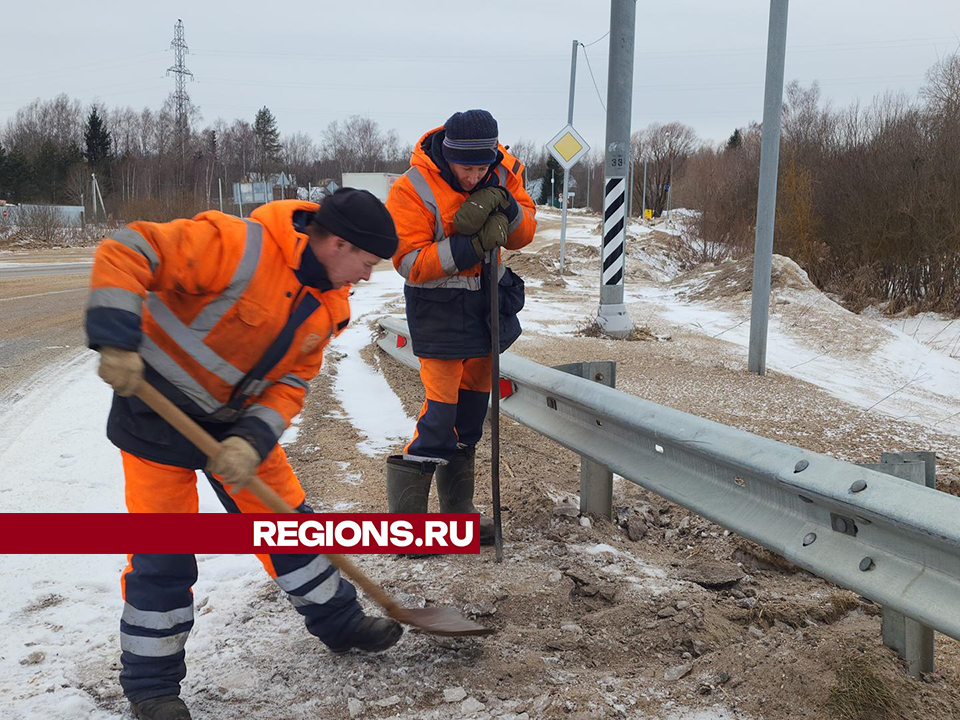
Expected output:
(905, 369)
(366, 397)
(58, 658)
(62, 611)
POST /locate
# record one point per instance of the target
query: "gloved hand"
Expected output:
(120, 369)
(475, 210)
(236, 463)
(492, 235)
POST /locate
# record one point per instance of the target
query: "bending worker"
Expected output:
(458, 201)
(228, 318)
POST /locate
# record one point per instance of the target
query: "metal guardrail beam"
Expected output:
(898, 543)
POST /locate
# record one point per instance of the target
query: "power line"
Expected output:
(597, 40)
(587, 58)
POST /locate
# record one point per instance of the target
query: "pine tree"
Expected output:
(736, 140)
(98, 141)
(18, 183)
(5, 188)
(267, 138)
(554, 171)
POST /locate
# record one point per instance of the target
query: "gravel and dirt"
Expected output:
(656, 613)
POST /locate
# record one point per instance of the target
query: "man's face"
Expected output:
(345, 263)
(469, 175)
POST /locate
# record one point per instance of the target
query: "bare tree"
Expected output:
(357, 144)
(299, 157)
(666, 148)
(942, 91)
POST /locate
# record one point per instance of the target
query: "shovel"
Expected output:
(435, 621)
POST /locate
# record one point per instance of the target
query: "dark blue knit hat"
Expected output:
(470, 138)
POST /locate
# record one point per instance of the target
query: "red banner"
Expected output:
(213, 533)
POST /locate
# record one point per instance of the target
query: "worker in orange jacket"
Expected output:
(458, 202)
(228, 318)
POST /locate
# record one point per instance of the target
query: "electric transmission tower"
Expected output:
(179, 46)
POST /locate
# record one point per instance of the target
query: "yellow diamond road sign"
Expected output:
(568, 147)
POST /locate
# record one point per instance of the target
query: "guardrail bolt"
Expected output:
(866, 564)
(858, 486)
(839, 524)
(809, 539)
(801, 466)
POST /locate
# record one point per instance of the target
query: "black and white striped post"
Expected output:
(612, 316)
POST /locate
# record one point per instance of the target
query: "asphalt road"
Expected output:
(19, 270)
(41, 317)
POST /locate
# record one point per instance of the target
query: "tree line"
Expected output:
(868, 196)
(50, 148)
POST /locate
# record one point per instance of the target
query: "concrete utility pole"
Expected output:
(767, 195)
(612, 316)
(566, 171)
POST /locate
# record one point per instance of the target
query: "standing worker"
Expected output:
(458, 202)
(227, 318)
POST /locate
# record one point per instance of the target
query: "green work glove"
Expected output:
(475, 210)
(492, 235)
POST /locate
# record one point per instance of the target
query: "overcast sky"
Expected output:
(410, 64)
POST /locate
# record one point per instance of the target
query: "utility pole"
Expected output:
(179, 69)
(612, 316)
(220, 186)
(566, 171)
(767, 195)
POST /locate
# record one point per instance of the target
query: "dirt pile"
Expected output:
(544, 264)
(733, 277)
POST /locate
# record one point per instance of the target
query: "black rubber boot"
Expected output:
(168, 707)
(408, 485)
(372, 634)
(455, 482)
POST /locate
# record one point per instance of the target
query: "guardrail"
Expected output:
(887, 539)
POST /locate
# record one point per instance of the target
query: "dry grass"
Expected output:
(861, 694)
(590, 328)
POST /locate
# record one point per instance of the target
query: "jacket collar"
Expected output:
(277, 218)
(427, 153)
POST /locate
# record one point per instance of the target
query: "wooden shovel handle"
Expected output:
(204, 441)
(209, 446)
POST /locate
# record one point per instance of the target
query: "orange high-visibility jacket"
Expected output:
(423, 204)
(213, 306)
(445, 306)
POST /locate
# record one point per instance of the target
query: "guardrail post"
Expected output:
(912, 640)
(596, 481)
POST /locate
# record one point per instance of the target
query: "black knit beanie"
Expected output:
(359, 218)
(470, 138)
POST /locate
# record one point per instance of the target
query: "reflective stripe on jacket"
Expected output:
(214, 308)
(448, 317)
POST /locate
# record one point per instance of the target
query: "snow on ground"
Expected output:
(383, 423)
(905, 368)
(61, 612)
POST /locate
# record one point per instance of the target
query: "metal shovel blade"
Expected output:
(442, 620)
